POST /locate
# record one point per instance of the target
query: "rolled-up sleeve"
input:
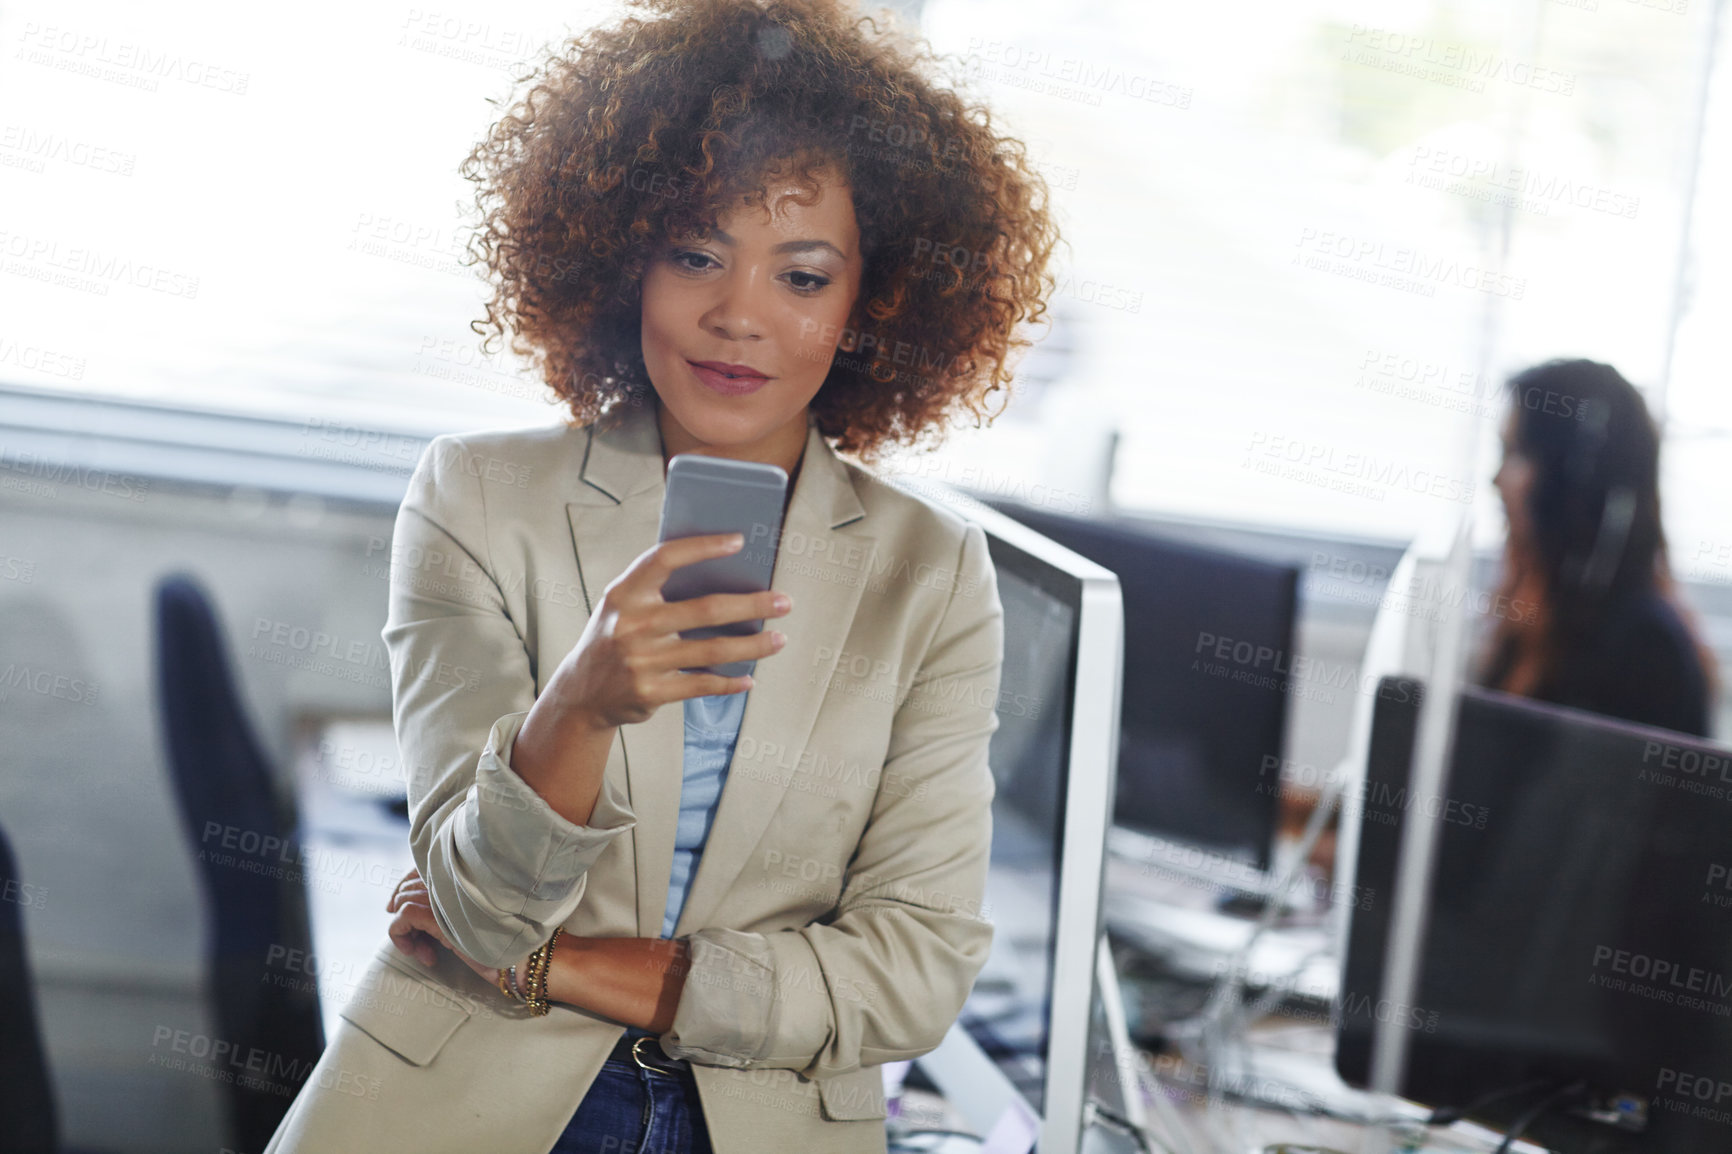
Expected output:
(502, 868)
(883, 976)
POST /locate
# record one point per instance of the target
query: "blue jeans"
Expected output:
(630, 1110)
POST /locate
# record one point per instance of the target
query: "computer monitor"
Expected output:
(1579, 924)
(1208, 651)
(1017, 1060)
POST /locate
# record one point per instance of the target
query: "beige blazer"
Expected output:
(836, 915)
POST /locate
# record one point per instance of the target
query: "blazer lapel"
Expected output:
(613, 520)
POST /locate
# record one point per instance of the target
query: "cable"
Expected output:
(1094, 1111)
(1573, 1090)
(1448, 1115)
(1222, 1020)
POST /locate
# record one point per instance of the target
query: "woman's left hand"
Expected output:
(415, 930)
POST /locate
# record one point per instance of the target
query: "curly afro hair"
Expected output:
(636, 133)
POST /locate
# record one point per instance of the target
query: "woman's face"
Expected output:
(771, 292)
(1514, 480)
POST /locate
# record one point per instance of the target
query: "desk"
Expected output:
(356, 849)
(1172, 943)
(1280, 1087)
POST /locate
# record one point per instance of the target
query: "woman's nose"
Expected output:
(737, 313)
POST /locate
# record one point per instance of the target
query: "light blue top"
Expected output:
(712, 728)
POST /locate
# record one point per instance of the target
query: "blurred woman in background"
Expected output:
(1580, 486)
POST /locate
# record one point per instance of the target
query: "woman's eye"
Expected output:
(805, 283)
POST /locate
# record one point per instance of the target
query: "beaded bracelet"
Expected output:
(508, 985)
(529, 980)
(540, 962)
(546, 969)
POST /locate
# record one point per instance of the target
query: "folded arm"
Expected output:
(503, 868)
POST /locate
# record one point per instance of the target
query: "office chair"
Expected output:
(243, 837)
(27, 1112)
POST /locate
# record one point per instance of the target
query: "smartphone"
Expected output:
(720, 495)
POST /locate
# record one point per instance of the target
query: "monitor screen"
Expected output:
(1580, 924)
(1208, 650)
(1009, 1011)
(1016, 1063)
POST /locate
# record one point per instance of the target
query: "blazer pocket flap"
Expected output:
(855, 1095)
(407, 1014)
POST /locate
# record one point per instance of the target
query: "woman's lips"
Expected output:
(726, 385)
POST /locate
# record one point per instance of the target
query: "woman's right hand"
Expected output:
(627, 663)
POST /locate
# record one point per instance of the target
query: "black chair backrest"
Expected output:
(247, 848)
(28, 1122)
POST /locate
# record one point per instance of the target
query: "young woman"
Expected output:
(746, 230)
(1580, 483)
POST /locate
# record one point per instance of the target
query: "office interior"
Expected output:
(1276, 870)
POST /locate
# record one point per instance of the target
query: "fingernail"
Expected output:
(782, 603)
(778, 638)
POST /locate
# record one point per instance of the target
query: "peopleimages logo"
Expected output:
(1272, 668)
(1459, 65)
(1349, 471)
(1719, 879)
(1383, 1010)
(1680, 977)
(1662, 980)
(1381, 802)
(1423, 595)
(1405, 266)
(1690, 770)
(1683, 1092)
